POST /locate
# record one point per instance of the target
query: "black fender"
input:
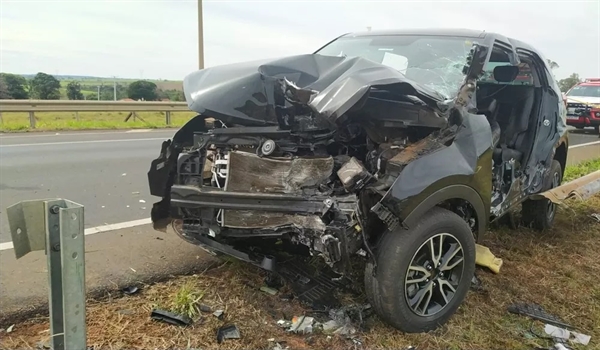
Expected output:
(463, 192)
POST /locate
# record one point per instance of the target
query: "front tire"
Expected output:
(423, 273)
(540, 214)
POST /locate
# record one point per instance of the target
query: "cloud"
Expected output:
(125, 37)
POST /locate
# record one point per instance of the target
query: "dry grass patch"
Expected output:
(558, 269)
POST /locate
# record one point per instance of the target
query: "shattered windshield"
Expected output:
(435, 62)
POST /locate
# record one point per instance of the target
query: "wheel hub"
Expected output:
(434, 274)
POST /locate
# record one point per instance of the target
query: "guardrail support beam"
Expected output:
(168, 117)
(56, 226)
(32, 119)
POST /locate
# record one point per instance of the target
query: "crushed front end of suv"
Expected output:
(398, 148)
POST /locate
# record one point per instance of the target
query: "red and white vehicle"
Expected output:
(583, 104)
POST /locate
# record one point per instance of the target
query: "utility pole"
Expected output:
(200, 37)
(115, 88)
(98, 92)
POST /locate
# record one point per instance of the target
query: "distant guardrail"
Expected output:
(32, 106)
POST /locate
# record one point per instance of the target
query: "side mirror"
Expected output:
(505, 74)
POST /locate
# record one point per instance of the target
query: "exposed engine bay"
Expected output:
(313, 188)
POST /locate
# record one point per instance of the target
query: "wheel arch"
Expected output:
(448, 195)
(560, 154)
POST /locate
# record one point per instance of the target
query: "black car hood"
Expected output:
(272, 92)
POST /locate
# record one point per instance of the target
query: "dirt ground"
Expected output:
(558, 270)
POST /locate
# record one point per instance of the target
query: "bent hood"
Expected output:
(275, 92)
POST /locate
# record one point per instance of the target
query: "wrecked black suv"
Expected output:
(398, 148)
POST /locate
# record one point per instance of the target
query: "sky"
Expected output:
(158, 39)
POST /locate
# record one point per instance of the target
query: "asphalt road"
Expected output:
(104, 171)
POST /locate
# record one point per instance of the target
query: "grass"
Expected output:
(557, 269)
(586, 167)
(14, 122)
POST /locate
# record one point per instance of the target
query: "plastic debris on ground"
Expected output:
(302, 324)
(596, 217)
(484, 257)
(130, 290)
(268, 290)
(477, 284)
(170, 317)
(219, 314)
(205, 308)
(561, 333)
(10, 328)
(228, 332)
(537, 313)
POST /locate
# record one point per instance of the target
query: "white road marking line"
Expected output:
(585, 144)
(138, 130)
(75, 133)
(80, 142)
(97, 229)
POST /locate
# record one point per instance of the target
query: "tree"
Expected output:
(4, 94)
(91, 96)
(13, 86)
(45, 87)
(567, 83)
(142, 90)
(74, 91)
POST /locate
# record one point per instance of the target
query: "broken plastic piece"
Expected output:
(130, 290)
(268, 263)
(219, 314)
(538, 313)
(579, 338)
(268, 290)
(169, 317)
(10, 329)
(330, 326)
(596, 217)
(284, 324)
(484, 257)
(556, 332)
(228, 332)
(302, 324)
(205, 308)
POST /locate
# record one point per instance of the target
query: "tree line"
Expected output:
(46, 87)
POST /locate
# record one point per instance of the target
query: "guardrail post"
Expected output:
(32, 119)
(168, 117)
(77, 116)
(56, 226)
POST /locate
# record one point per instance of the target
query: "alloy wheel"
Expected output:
(434, 274)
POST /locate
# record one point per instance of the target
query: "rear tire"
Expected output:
(419, 286)
(540, 214)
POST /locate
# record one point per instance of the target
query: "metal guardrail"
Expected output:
(32, 106)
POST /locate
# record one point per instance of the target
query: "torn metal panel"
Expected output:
(581, 188)
(268, 92)
(250, 173)
(257, 219)
(253, 174)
